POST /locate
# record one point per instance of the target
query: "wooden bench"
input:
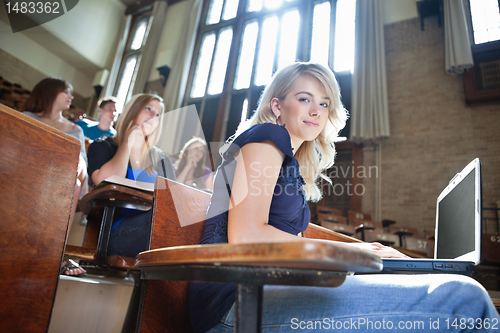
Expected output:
(328, 210)
(332, 218)
(379, 235)
(420, 246)
(338, 227)
(38, 167)
(491, 248)
(355, 215)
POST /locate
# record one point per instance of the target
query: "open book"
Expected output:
(143, 186)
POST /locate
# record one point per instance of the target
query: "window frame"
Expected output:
(137, 17)
(224, 99)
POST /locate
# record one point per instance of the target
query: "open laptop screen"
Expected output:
(458, 217)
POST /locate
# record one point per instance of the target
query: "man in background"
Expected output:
(107, 113)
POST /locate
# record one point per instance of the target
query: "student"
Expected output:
(132, 154)
(49, 98)
(107, 113)
(191, 169)
(299, 114)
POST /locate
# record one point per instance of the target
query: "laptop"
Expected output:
(457, 247)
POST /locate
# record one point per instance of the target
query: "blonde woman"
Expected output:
(132, 154)
(191, 169)
(269, 171)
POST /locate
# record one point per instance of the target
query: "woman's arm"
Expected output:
(117, 165)
(257, 169)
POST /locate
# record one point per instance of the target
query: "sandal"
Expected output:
(71, 268)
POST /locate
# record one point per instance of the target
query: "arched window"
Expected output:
(240, 44)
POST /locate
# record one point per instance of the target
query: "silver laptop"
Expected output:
(457, 247)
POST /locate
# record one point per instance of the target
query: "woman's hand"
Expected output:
(134, 135)
(191, 164)
(380, 250)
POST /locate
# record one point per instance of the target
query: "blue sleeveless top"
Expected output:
(289, 212)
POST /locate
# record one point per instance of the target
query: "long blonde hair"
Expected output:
(199, 171)
(130, 113)
(319, 154)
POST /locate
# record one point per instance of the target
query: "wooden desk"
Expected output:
(38, 167)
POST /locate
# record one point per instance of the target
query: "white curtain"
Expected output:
(177, 79)
(149, 53)
(370, 111)
(458, 53)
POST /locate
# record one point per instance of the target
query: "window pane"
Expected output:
(203, 66)
(218, 73)
(230, 10)
(244, 110)
(344, 36)
(320, 44)
(485, 20)
(214, 12)
(139, 34)
(126, 79)
(246, 57)
(266, 51)
(254, 5)
(271, 4)
(288, 40)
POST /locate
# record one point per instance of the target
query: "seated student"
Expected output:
(107, 113)
(191, 169)
(299, 114)
(47, 101)
(132, 154)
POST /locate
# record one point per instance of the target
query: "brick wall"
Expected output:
(434, 134)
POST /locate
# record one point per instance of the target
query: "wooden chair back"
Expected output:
(354, 215)
(178, 219)
(38, 167)
(331, 218)
(328, 210)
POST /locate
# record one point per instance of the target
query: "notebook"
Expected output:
(457, 247)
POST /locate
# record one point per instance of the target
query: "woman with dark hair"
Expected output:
(132, 154)
(191, 169)
(47, 101)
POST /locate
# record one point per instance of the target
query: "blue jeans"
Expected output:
(381, 302)
(131, 236)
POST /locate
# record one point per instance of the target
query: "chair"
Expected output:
(423, 247)
(100, 206)
(38, 166)
(328, 210)
(403, 233)
(354, 215)
(176, 258)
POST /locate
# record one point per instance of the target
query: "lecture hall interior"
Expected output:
(420, 81)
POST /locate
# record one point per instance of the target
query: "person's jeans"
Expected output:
(381, 302)
(131, 236)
